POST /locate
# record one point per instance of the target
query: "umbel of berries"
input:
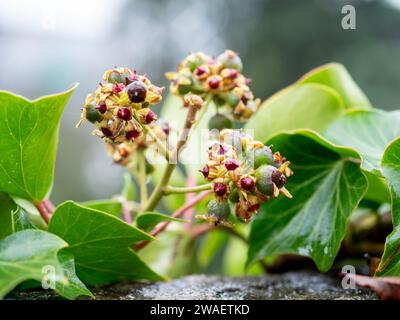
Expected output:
(119, 108)
(243, 172)
(219, 78)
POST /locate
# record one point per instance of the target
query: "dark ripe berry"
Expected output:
(278, 178)
(219, 122)
(132, 134)
(137, 91)
(220, 189)
(247, 183)
(124, 114)
(102, 107)
(231, 164)
(214, 82)
(263, 156)
(263, 176)
(200, 71)
(92, 115)
(220, 209)
(107, 132)
(150, 117)
(205, 171)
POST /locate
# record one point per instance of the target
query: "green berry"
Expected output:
(219, 209)
(263, 177)
(263, 156)
(92, 114)
(219, 122)
(116, 77)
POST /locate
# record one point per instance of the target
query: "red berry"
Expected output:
(102, 107)
(247, 183)
(254, 207)
(137, 91)
(220, 189)
(221, 150)
(118, 87)
(233, 74)
(132, 134)
(150, 117)
(214, 82)
(200, 71)
(205, 171)
(107, 132)
(231, 164)
(124, 114)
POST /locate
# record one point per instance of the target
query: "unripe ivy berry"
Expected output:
(263, 156)
(247, 183)
(234, 196)
(231, 164)
(102, 107)
(220, 209)
(219, 122)
(92, 115)
(264, 181)
(107, 132)
(132, 134)
(220, 189)
(136, 91)
(116, 77)
(124, 114)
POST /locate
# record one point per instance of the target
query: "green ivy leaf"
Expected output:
(148, 220)
(312, 106)
(28, 144)
(327, 186)
(335, 76)
(390, 262)
(101, 245)
(111, 206)
(368, 132)
(24, 256)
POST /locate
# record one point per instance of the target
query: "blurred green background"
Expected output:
(47, 45)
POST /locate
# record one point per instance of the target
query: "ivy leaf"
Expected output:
(148, 220)
(111, 206)
(28, 143)
(335, 76)
(390, 262)
(368, 132)
(312, 106)
(101, 245)
(13, 218)
(29, 255)
(327, 186)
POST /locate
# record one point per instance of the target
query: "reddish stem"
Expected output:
(161, 226)
(43, 210)
(188, 215)
(126, 212)
(49, 206)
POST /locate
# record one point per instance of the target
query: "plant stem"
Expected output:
(161, 226)
(201, 115)
(126, 212)
(142, 178)
(172, 160)
(170, 189)
(160, 144)
(43, 210)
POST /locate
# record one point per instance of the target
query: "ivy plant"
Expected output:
(282, 176)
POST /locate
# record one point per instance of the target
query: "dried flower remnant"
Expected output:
(221, 78)
(244, 172)
(119, 108)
